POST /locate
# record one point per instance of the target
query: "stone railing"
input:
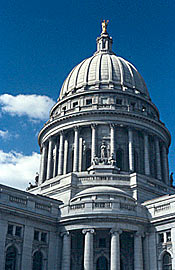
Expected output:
(28, 203)
(160, 208)
(18, 200)
(102, 205)
(111, 106)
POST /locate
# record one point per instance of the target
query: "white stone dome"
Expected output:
(105, 190)
(104, 70)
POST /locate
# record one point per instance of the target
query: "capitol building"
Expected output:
(104, 199)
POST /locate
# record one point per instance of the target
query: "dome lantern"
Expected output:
(104, 42)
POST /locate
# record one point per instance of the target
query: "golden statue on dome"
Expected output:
(104, 26)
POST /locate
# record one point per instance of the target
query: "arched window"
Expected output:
(166, 262)
(88, 158)
(136, 161)
(37, 261)
(119, 159)
(102, 263)
(11, 258)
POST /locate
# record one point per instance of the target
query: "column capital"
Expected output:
(84, 231)
(112, 125)
(67, 233)
(94, 125)
(76, 128)
(116, 231)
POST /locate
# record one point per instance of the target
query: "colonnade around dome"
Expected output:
(132, 150)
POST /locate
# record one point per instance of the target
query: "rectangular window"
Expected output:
(88, 101)
(64, 108)
(75, 104)
(168, 236)
(102, 243)
(44, 237)
(119, 101)
(36, 235)
(10, 229)
(18, 231)
(161, 238)
(133, 105)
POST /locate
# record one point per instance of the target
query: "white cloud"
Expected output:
(36, 107)
(17, 170)
(4, 134)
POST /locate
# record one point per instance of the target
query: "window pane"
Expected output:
(10, 229)
(36, 235)
(18, 231)
(43, 236)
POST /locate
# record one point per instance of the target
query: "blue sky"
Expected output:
(41, 41)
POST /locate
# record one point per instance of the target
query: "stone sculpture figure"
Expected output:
(104, 26)
(171, 179)
(103, 150)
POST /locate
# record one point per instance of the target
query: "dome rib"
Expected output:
(101, 69)
(110, 68)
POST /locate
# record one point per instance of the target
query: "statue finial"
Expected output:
(104, 26)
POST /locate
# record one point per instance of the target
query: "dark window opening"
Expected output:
(36, 235)
(64, 108)
(133, 104)
(18, 231)
(136, 161)
(88, 101)
(119, 159)
(75, 104)
(167, 264)
(10, 260)
(10, 229)
(161, 238)
(119, 101)
(143, 108)
(43, 237)
(102, 263)
(102, 242)
(72, 160)
(88, 158)
(168, 236)
(37, 261)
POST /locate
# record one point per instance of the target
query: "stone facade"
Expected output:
(101, 199)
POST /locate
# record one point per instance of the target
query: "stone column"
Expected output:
(146, 155)
(115, 249)
(158, 160)
(165, 164)
(113, 149)
(152, 251)
(93, 151)
(76, 146)
(66, 251)
(61, 154)
(66, 147)
(88, 249)
(26, 262)
(146, 258)
(131, 150)
(138, 255)
(43, 162)
(80, 165)
(55, 159)
(50, 159)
